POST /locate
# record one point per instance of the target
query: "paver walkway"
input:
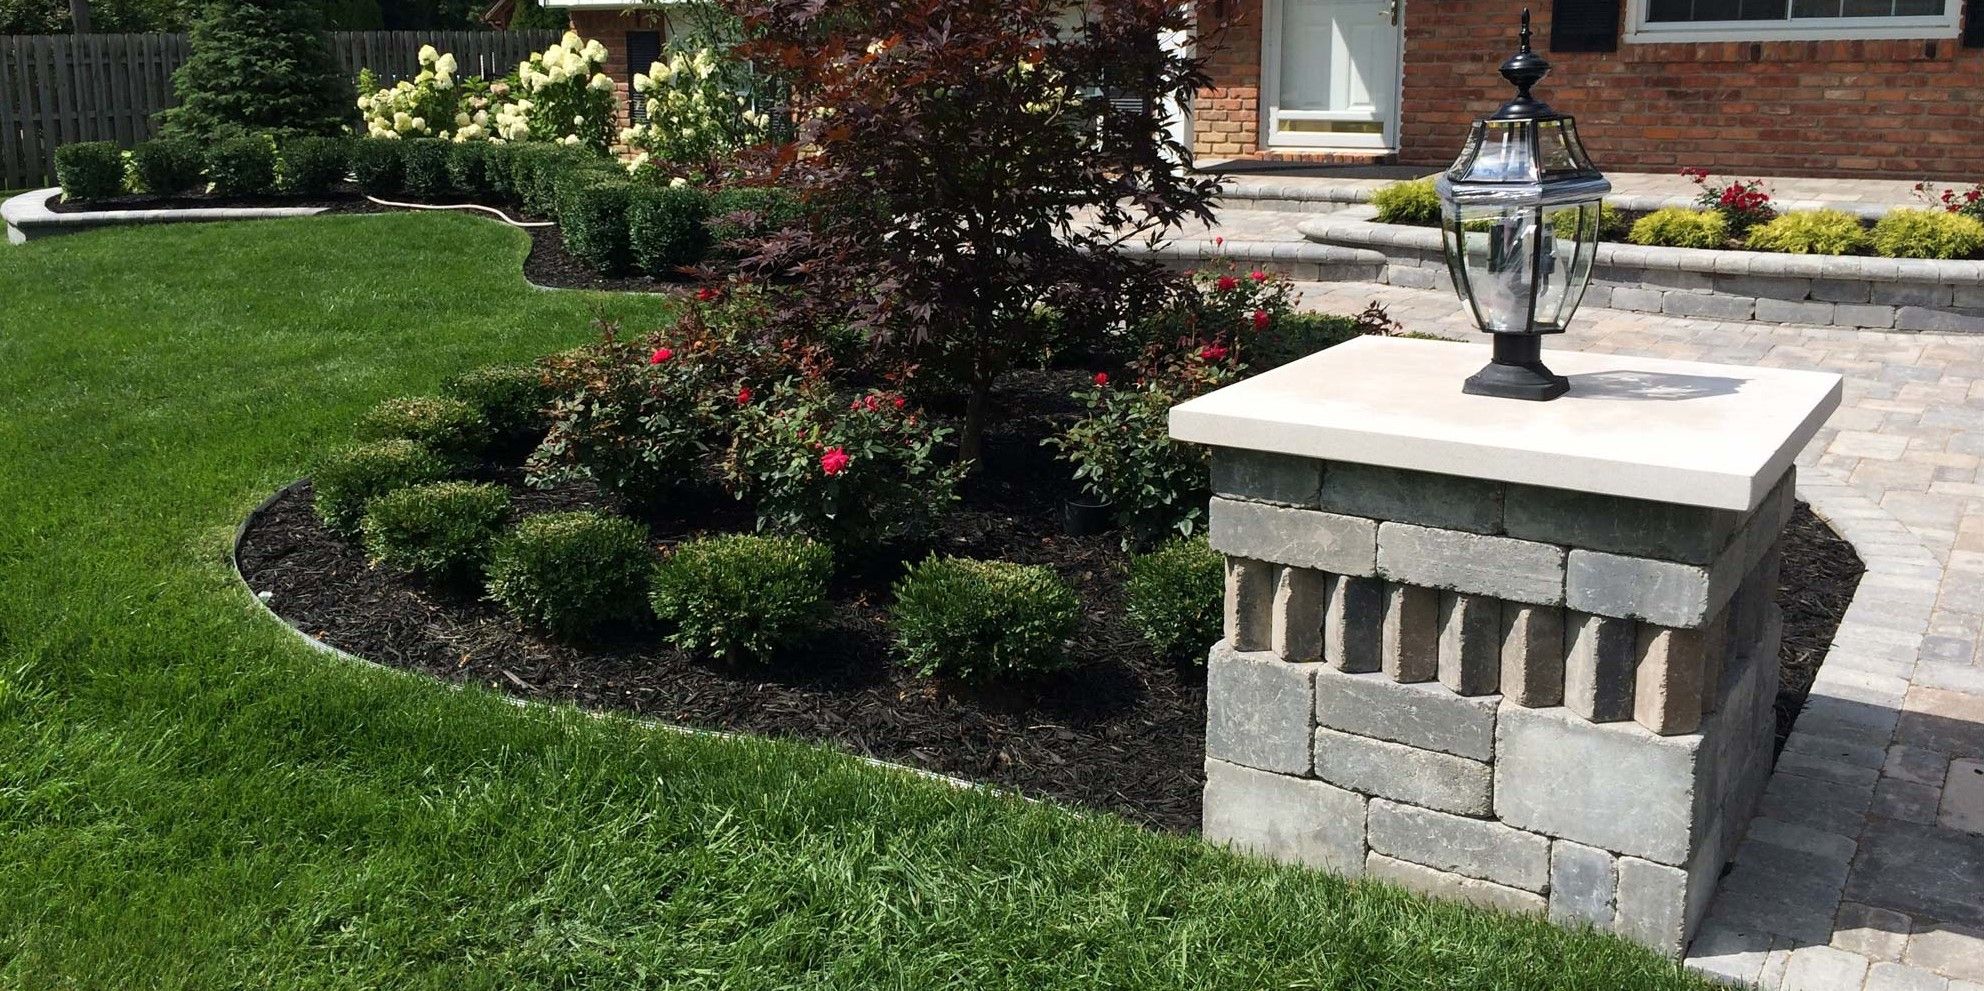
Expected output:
(1885, 192)
(1865, 866)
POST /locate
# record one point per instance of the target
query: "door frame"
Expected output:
(1270, 94)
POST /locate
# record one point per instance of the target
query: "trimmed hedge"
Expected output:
(424, 167)
(1680, 227)
(666, 228)
(169, 167)
(1810, 232)
(313, 166)
(375, 166)
(511, 399)
(441, 531)
(89, 170)
(468, 167)
(593, 220)
(243, 166)
(978, 620)
(742, 595)
(348, 480)
(572, 573)
(450, 428)
(1414, 202)
(1928, 234)
(1174, 596)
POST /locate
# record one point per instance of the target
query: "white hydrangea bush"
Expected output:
(435, 103)
(565, 97)
(696, 113)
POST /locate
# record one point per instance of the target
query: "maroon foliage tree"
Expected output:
(970, 165)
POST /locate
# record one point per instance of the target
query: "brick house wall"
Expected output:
(1827, 108)
(610, 28)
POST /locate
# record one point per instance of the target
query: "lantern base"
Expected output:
(1517, 372)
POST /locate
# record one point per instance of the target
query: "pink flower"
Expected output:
(1261, 319)
(855, 406)
(1257, 275)
(1217, 241)
(1101, 380)
(1227, 283)
(872, 403)
(1213, 352)
(834, 461)
(660, 355)
(743, 395)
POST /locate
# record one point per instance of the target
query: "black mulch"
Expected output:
(331, 202)
(1123, 732)
(1814, 587)
(549, 264)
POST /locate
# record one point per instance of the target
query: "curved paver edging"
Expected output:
(234, 564)
(28, 217)
(1817, 809)
(1912, 294)
(1321, 196)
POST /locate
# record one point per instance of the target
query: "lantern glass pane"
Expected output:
(1522, 268)
(1500, 151)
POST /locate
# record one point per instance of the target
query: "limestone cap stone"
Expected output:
(1682, 432)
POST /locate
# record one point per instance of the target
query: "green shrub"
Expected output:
(593, 220)
(168, 166)
(1810, 232)
(1175, 595)
(1298, 335)
(442, 531)
(349, 479)
(572, 573)
(468, 168)
(242, 166)
(541, 173)
(983, 619)
(313, 165)
(1413, 202)
(750, 212)
(89, 170)
(510, 398)
(1928, 234)
(375, 166)
(450, 428)
(259, 67)
(424, 167)
(665, 228)
(1611, 224)
(499, 169)
(742, 595)
(1680, 227)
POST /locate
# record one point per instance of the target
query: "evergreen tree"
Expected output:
(259, 67)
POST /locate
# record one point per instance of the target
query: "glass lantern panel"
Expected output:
(1496, 248)
(1564, 265)
(1504, 152)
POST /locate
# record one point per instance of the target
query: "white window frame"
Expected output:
(1642, 32)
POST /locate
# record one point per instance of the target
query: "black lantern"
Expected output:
(1519, 210)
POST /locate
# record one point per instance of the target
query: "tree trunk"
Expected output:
(977, 408)
(79, 16)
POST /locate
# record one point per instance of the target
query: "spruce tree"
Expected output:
(259, 67)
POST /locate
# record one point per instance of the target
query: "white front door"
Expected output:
(1330, 73)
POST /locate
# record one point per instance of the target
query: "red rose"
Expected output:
(1212, 352)
(1227, 283)
(743, 395)
(705, 294)
(872, 403)
(834, 461)
(1261, 319)
(1101, 379)
(660, 355)
(901, 402)
(1217, 241)
(855, 406)
(1257, 275)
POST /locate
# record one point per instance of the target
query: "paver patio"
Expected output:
(1865, 866)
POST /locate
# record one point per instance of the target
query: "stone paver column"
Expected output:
(1522, 654)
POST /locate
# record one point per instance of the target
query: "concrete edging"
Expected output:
(529, 705)
(1908, 294)
(28, 217)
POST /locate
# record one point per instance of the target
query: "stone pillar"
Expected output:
(1551, 698)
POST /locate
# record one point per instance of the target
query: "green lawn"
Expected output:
(188, 799)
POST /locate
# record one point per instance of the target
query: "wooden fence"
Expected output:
(57, 89)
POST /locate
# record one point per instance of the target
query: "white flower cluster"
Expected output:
(694, 113)
(433, 104)
(568, 99)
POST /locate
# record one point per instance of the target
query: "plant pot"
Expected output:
(1086, 519)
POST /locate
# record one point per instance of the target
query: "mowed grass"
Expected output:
(188, 799)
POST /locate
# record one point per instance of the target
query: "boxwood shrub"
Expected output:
(510, 398)
(169, 166)
(1810, 232)
(424, 167)
(1413, 202)
(89, 170)
(450, 428)
(312, 165)
(441, 531)
(468, 168)
(572, 573)
(242, 166)
(1681, 227)
(499, 168)
(743, 595)
(375, 166)
(666, 229)
(347, 480)
(1174, 596)
(978, 620)
(1928, 234)
(593, 220)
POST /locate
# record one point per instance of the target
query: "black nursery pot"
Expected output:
(1086, 519)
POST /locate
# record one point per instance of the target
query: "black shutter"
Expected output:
(643, 51)
(1973, 24)
(1584, 25)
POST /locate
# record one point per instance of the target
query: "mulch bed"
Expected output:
(1123, 731)
(332, 202)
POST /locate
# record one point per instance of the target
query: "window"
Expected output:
(1791, 20)
(643, 51)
